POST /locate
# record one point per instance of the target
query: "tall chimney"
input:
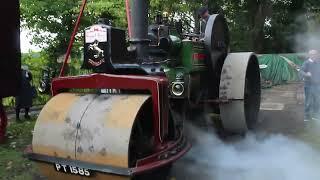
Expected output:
(139, 27)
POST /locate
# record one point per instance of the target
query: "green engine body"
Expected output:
(186, 69)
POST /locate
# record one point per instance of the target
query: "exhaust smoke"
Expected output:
(255, 157)
(258, 156)
(310, 39)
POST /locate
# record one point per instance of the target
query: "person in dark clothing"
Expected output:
(310, 72)
(24, 98)
(315, 87)
(203, 12)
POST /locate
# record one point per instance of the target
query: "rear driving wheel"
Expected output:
(240, 85)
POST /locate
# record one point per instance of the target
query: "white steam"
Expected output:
(310, 39)
(256, 157)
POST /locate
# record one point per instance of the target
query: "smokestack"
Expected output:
(139, 27)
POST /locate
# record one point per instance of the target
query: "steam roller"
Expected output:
(126, 120)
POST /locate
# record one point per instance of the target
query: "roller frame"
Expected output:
(156, 85)
(172, 152)
(165, 152)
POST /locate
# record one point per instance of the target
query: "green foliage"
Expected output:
(53, 23)
(266, 26)
(36, 62)
(114, 10)
(263, 26)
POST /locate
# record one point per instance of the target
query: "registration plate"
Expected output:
(72, 170)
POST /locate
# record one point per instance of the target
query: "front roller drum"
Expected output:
(240, 87)
(95, 129)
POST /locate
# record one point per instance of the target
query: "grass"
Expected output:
(13, 166)
(41, 99)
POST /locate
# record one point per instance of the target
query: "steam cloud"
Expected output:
(305, 42)
(310, 39)
(256, 157)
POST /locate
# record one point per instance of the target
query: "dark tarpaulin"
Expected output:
(10, 53)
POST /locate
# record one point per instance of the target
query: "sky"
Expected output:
(25, 40)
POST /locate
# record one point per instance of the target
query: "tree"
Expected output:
(53, 22)
(262, 26)
(265, 26)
